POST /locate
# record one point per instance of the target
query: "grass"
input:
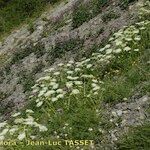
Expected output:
(3, 95)
(16, 12)
(68, 99)
(109, 16)
(125, 3)
(3, 58)
(84, 13)
(55, 26)
(123, 75)
(62, 47)
(27, 81)
(17, 57)
(138, 138)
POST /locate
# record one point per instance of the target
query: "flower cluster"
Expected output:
(144, 10)
(74, 86)
(21, 127)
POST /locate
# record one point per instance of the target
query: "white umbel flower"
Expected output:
(59, 91)
(69, 84)
(108, 51)
(39, 104)
(56, 73)
(78, 82)
(41, 93)
(69, 72)
(71, 62)
(89, 66)
(19, 120)
(49, 70)
(42, 128)
(21, 136)
(117, 50)
(29, 111)
(2, 124)
(13, 130)
(136, 50)
(72, 78)
(75, 91)
(16, 114)
(107, 46)
(127, 48)
(90, 129)
(2, 138)
(138, 38)
(4, 132)
(60, 64)
(60, 96)
(54, 99)
(55, 86)
(49, 93)
(77, 69)
(96, 88)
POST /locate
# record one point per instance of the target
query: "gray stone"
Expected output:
(119, 113)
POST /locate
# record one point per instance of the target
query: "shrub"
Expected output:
(62, 47)
(80, 16)
(125, 3)
(84, 12)
(21, 54)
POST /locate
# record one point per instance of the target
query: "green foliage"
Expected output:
(144, 11)
(3, 95)
(27, 80)
(108, 75)
(70, 45)
(138, 138)
(38, 68)
(125, 3)
(68, 99)
(3, 3)
(80, 16)
(14, 12)
(21, 54)
(84, 12)
(31, 28)
(52, 1)
(115, 91)
(109, 16)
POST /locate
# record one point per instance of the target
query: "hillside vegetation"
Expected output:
(70, 101)
(14, 12)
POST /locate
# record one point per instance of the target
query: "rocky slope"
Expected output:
(45, 37)
(53, 39)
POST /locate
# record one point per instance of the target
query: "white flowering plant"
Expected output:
(68, 100)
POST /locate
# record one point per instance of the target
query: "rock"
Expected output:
(145, 98)
(113, 136)
(119, 113)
